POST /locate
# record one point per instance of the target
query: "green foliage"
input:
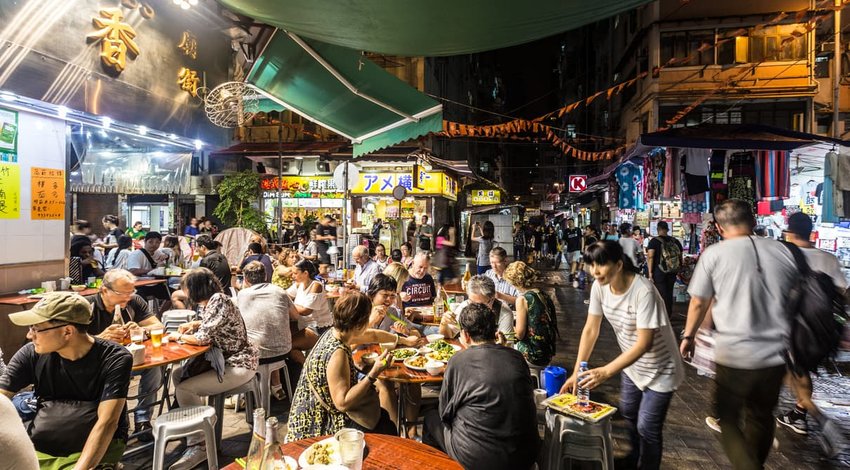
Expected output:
(309, 221)
(239, 195)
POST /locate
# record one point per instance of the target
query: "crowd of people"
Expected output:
(486, 415)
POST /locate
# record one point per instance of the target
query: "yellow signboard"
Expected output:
(434, 183)
(484, 197)
(48, 194)
(10, 191)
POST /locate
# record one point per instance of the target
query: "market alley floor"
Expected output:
(688, 442)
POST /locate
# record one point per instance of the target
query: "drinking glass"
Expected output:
(351, 447)
(156, 337)
(137, 335)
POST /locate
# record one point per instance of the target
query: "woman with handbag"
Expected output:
(220, 326)
(331, 394)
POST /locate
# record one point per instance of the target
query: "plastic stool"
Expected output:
(574, 438)
(183, 422)
(264, 373)
(251, 390)
(536, 372)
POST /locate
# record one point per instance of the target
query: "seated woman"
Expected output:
(398, 272)
(82, 248)
(282, 276)
(222, 327)
(310, 298)
(381, 256)
(407, 255)
(536, 327)
(330, 389)
(117, 257)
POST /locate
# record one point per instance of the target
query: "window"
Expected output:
(683, 44)
(765, 44)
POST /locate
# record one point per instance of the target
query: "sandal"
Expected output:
(277, 392)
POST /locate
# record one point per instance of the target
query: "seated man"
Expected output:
(505, 291)
(117, 291)
(267, 311)
(480, 290)
(419, 288)
(486, 418)
(141, 261)
(81, 380)
(366, 268)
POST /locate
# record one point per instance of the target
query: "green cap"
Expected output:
(56, 306)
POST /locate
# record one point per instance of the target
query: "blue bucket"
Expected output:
(554, 378)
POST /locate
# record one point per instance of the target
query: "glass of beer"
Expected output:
(137, 335)
(156, 337)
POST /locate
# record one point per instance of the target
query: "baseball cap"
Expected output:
(56, 306)
(800, 224)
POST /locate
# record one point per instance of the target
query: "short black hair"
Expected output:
(479, 322)
(153, 236)
(255, 248)
(606, 252)
(308, 267)
(395, 255)
(201, 284)
(381, 282)
(207, 242)
(662, 225)
(625, 228)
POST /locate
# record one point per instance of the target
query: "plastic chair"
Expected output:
(264, 375)
(183, 422)
(251, 389)
(572, 438)
(172, 319)
(536, 374)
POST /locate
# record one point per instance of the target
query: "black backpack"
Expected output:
(816, 310)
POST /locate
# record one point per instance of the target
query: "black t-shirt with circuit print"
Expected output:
(102, 374)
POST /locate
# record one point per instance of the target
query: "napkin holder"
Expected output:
(138, 352)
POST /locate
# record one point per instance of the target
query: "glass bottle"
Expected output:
(258, 441)
(273, 458)
(466, 276)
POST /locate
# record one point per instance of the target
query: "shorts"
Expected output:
(574, 257)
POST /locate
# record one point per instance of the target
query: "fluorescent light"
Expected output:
(193, 2)
(299, 158)
(107, 122)
(61, 111)
(184, 5)
(198, 144)
(7, 97)
(143, 130)
(172, 136)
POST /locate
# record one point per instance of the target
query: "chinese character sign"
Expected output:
(189, 45)
(10, 191)
(188, 81)
(116, 39)
(432, 184)
(482, 197)
(48, 194)
(303, 187)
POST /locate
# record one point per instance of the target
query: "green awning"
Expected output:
(428, 28)
(374, 109)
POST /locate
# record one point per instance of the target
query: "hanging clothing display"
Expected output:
(653, 170)
(742, 177)
(833, 207)
(630, 180)
(773, 174)
(672, 173)
(694, 204)
(696, 161)
(841, 173)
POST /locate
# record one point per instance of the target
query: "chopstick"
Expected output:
(240, 462)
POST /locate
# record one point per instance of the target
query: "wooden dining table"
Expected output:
(24, 300)
(382, 453)
(168, 354)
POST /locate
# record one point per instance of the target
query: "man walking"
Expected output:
(748, 278)
(424, 234)
(664, 259)
(573, 246)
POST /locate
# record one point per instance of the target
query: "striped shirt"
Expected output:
(502, 285)
(660, 369)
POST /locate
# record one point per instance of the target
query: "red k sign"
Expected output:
(578, 183)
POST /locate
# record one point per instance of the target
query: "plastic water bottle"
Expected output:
(583, 392)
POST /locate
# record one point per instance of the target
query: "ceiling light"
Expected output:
(299, 158)
(198, 144)
(172, 136)
(61, 111)
(178, 2)
(185, 5)
(193, 2)
(143, 130)
(7, 97)
(107, 121)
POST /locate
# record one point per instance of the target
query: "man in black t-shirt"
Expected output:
(486, 417)
(572, 246)
(419, 289)
(664, 257)
(64, 363)
(118, 291)
(325, 238)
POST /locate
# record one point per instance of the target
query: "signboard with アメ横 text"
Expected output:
(10, 191)
(48, 194)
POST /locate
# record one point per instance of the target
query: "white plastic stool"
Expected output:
(574, 438)
(264, 372)
(182, 422)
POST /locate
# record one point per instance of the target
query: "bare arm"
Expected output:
(343, 394)
(696, 312)
(521, 318)
(650, 255)
(8, 394)
(595, 377)
(108, 414)
(506, 298)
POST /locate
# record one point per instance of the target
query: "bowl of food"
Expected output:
(435, 368)
(78, 287)
(434, 337)
(369, 358)
(424, 350)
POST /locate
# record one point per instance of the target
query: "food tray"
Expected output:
(563, 403)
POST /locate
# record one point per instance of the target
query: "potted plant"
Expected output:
(239, 195)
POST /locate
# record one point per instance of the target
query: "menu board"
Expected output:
(48, 194)
(10, 191)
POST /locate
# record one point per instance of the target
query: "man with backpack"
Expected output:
(664, 259)
(798, 233)
(749, 280)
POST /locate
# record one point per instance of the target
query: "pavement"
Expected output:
(688, 442)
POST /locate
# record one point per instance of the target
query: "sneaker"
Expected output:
(832, 439)
(795, 422)
(277, 392)
(713, 423)
(230, 402)
(143, 427)
(191, 458)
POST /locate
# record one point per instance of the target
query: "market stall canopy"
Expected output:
(341, 90)
(428, 28)
(734, 137)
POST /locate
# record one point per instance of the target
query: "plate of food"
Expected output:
(416, 363)
(441, 356)
(443, 345)
(321, 455)
(403, 353)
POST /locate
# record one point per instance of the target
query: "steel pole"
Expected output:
(836, 71)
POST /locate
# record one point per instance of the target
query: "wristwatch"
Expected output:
(683, 337)
(372, 380)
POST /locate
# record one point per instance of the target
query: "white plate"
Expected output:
(415, 352)
(336, 457)
(406, 363)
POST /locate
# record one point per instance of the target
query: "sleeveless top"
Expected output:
(538, 347)
(307, 417)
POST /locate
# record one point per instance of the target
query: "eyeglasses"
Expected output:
(34, 331)
(126, 294)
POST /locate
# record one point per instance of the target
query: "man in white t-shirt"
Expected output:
(746, 281)
(139, 262)
(799, 232)
(631, 247)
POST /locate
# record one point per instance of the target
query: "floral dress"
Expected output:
(308, 417)
(222, 326)
(538, 347)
